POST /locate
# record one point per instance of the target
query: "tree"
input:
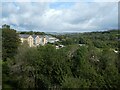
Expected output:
(72, 82)
(109, 69)
(81, 40)
(93, 65)
(10, 42)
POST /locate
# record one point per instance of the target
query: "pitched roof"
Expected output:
(34, 36)
(24, 35)
(27, 35)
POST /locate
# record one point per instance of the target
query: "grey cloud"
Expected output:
(78, 17)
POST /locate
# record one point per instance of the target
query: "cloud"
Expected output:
(60, 17)
(60, 1)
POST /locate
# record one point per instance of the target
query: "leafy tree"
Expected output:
(10, 42)
(71, 82)
(8, 81)
(81, 41)
(94, 65)
(110, 71)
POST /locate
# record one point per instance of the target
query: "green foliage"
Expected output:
(43, 65)
(109, 68)
(31, 33)
(93, 65)
(82, 41)
(10, 42)
(71, 82)
(8, 81)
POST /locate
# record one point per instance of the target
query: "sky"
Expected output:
(60, 16)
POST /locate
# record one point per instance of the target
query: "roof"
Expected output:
(41, 36)
(34, 36)
(24, 35)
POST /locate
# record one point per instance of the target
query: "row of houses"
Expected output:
(36, 40)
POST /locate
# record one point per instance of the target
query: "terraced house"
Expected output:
(33, 40)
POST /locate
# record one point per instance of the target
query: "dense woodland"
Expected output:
(88, 60)
(31, 33)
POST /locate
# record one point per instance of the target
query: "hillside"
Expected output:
(88, 60)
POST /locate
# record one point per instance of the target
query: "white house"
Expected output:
(33, 40)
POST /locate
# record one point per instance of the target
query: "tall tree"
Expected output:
(10, 42)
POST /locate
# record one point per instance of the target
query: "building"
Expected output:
(43, 40)
(36, 40)
(51, 39)
(28, 38)
(33, 40)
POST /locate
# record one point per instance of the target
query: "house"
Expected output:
(43, 40)
(33, 40)
(36, 40)
(51, 39)
(28, 38)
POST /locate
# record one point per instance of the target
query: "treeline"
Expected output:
(10, 42)
(74, 66)
(98, 39)
(32, 33)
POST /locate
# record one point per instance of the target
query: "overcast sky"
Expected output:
(60, 16)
